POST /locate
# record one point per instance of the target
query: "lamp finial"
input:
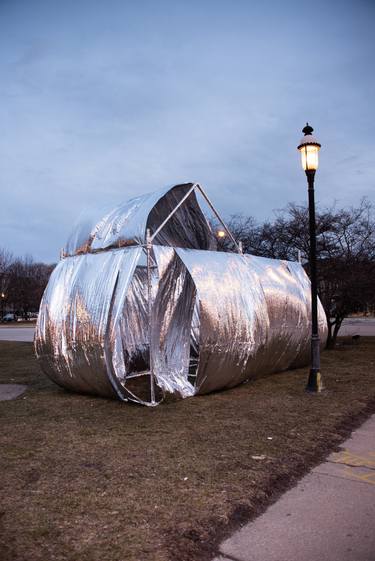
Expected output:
(307, 130)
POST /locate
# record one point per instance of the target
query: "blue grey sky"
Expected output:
(101, 101)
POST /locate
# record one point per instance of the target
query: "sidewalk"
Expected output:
(350, 326)
(25, 334)
(328, 516)
(357, 326)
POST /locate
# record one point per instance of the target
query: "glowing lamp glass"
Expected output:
(221, 234)
(309, 156)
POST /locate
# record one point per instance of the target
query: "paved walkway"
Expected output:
(350, 326)
(11, 391)
(17, 333)
(357, 326)
(328, 516)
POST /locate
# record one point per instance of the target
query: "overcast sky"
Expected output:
(101, 101)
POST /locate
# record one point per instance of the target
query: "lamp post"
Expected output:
(309, 148)
(2, 305)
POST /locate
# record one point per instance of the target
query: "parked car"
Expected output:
(9, 317)
(30, 316)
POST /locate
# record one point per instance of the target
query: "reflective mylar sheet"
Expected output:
(75, 319)
(217, 320)
(241, 316)
(127, 224)
(178, 318)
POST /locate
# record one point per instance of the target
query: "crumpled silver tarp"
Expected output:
(241, 316)
(127, 224)
(192, 322)
(76, 316)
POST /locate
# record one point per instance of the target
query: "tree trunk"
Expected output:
(329, 337)
(332, 335)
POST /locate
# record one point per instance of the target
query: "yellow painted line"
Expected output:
(368, 477)
(347, 457)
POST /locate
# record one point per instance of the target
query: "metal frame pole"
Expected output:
(149, 303)
(192, 188)
(219, 217)
(149, 239)
(173, 211)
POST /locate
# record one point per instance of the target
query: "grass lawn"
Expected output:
(98, 480)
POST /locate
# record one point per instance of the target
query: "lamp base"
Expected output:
(315, 382)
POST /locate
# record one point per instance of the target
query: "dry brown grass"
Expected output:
(97, 480)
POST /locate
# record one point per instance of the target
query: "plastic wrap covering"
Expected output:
(127, 351)
(93, 332)
(217, 319)
(172, 324)
(287, 292)
(84, 230)
(144, 319)
(230, 316)
(75, 317)
(188, 227)
(247, 316)
(127, 224)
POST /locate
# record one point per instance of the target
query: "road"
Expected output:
(17, 333)
(358, 326)
(351, 326)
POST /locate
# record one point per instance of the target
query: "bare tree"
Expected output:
(6, 259)
(27, 281)
(345, 248)
(347, 265)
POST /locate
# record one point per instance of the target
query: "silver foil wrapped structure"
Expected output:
(143, 304)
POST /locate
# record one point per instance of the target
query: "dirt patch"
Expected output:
(96, 479)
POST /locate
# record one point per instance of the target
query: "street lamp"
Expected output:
(2, 304)
(309, 148)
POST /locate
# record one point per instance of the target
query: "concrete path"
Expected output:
(328, 516)
(360, 326)
(357, 326)
(17, 333)
(11, 391)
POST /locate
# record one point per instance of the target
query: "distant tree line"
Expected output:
(22, 283)
(345, 249)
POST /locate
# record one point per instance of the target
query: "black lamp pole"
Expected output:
(315, 380)
(309, 148)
